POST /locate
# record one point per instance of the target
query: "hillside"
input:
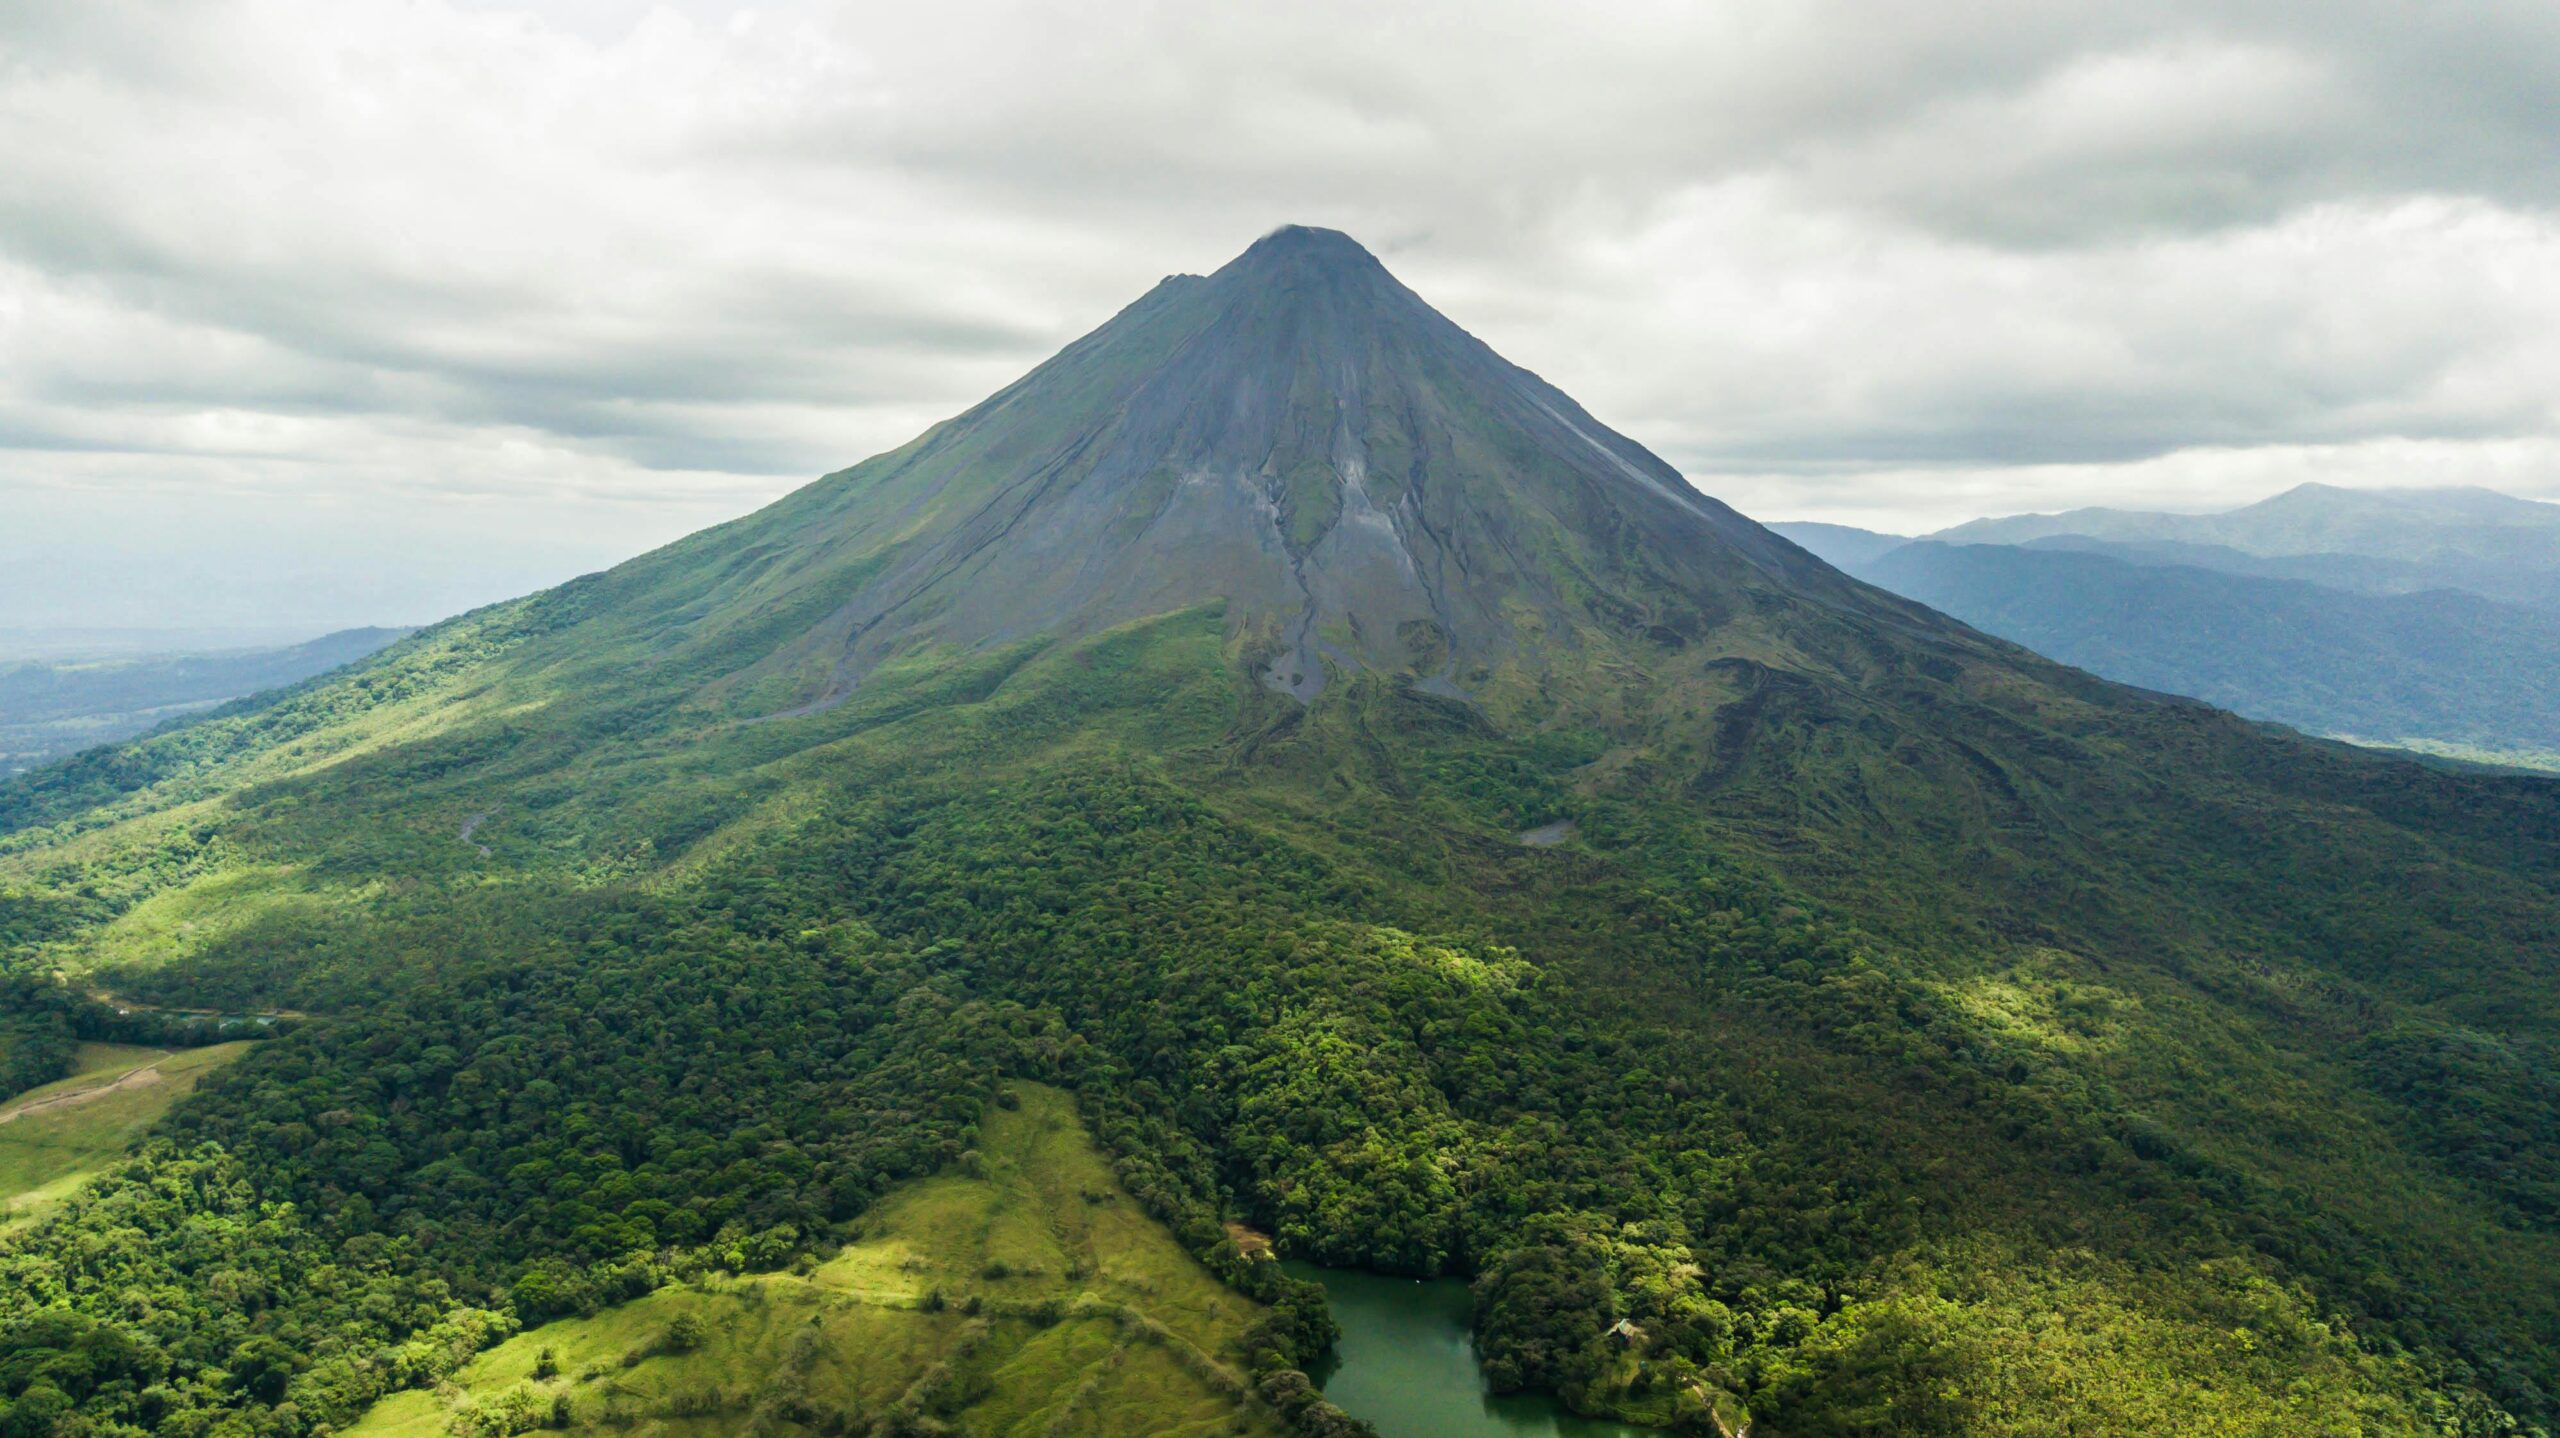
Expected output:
(59, 1136)
(1895, 1030)
(2387, 541)
(54, 706)
(1024, 1294)
(2439, 667)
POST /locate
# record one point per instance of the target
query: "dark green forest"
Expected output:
(43, 1023)
(1678, 1093)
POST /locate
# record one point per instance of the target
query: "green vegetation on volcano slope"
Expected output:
(1024, 1292)
(59, 1136)
(1847, 1146)
(51, 1032)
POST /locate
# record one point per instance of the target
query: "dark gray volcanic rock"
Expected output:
(1363, 483)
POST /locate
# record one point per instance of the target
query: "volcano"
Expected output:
(1408, 827)
(1364, 486)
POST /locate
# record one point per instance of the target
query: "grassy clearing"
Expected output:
(177, 921)
(64, 1133)
(102, 1059)
(1025, 1293)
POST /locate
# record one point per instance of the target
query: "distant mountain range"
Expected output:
(2428, 618)
(67, 702)
(2378, 541)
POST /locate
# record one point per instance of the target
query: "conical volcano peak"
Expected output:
(1360, 484)
(1310, 247)
(1306, 271)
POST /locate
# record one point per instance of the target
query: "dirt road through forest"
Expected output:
(132, 1078)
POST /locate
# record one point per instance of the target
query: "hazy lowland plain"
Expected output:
(58, 699)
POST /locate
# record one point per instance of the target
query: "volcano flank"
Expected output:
(1366, 486)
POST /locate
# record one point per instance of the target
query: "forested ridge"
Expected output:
(1887, 1031)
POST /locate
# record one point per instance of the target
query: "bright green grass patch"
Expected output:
(1310, 501)
(107, 1058)
(1025, 1293)
(55, 1138)
(178, 921)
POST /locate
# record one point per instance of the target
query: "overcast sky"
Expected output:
(315, 312)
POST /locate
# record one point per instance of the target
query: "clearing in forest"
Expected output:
(55, 1138)
(1025, 1292)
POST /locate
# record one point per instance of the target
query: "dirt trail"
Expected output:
(132, 1078)
(471, 826)
(137, 1006)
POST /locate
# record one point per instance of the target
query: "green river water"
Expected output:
(1407, 1363)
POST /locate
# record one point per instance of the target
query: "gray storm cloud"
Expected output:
(318, 297)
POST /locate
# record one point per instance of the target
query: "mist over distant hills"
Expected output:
(2384, 541)
(2395, 616)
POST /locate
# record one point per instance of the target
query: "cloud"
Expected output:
(596, 272)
